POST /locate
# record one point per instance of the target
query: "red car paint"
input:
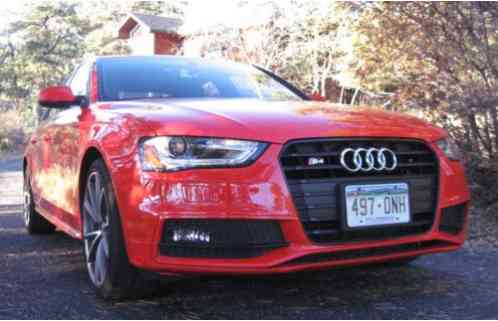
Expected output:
(56, 95)
(55, 158)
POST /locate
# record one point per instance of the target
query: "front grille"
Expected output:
(316, 189)
(452, 219)
(215, 238)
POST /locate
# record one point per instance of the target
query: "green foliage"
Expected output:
(43, 47)
(11, 130)
(48, 39)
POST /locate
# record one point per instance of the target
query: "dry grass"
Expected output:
(12, 130)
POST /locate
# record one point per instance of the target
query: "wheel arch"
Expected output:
(91, 155)
(24, 167)
(26, 174)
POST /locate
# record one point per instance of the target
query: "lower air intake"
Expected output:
(370, 252)
(452, 219)
(216, 238)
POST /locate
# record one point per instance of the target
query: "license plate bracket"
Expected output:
(395, 192)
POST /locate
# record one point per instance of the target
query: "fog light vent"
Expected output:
(213, 238)
(452, 219)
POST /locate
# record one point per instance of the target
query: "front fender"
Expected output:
(115, 139)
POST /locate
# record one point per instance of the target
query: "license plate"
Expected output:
(377, 205)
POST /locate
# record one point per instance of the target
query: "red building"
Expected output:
(149, 34)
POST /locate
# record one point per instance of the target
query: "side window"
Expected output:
(79, 81)
(43, 113)
(48, 114)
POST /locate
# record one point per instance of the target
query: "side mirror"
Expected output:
(57, 97)
(317, 97)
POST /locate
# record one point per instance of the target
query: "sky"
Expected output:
(7, 8)
(205, 14)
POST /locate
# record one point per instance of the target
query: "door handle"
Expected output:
(47, 139)
(34, 141)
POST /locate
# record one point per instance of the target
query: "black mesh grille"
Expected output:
(227, 238)
(316, 189)
(452, 219)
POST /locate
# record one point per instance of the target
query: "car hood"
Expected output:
(276, 122)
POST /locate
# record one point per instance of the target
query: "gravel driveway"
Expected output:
(44, 277)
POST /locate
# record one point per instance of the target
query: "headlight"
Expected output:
(449, 148)
(176, 153)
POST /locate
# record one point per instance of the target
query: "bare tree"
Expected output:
(299, 40)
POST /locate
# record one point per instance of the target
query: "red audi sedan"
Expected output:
(167, 166)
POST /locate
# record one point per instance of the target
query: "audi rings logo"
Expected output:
(368, 159)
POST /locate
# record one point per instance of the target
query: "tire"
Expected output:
(33, 221)
(108, 266)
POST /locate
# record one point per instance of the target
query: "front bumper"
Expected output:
(259, 192)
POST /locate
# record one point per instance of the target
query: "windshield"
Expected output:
(151, 77)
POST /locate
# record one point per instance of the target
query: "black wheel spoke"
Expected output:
(105, 243)
(96, 192)
(90, 210)
(90, 193)
(100, 263)
(100, 203)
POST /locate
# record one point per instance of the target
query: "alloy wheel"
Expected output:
(27, 205)
(96, 229)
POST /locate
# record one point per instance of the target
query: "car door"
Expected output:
(60, 141)
(39, 160)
